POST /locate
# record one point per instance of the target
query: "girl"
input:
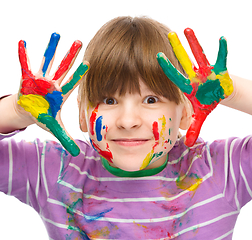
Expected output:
(135, 179)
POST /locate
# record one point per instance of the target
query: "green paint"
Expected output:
(210, 92)
(78, 74)
(221, 62)
(173, 74)
(194, 175)
(52, 124)
(72, 207)
(157, 155)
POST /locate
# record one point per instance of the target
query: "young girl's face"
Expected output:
(134, 130)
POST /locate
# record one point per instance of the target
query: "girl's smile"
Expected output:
(130, 142)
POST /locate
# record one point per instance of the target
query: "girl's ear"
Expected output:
(186, 117)
(82, 116)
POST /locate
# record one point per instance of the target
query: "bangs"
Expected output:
(122, 53)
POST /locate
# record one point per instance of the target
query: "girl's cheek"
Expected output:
(92, 120)
(98, 133)
(162, 131)
(163, 134)
(97, 128)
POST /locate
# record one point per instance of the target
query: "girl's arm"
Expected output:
(241, 98)
(12, 116)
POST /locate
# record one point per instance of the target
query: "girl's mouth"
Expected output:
(130, 142)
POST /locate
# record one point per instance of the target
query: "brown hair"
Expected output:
(124, 51)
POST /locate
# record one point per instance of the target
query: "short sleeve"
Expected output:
(232, 169)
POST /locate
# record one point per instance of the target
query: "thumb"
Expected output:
(58, 131)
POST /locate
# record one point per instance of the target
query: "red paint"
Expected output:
(200, 113)
(106, 154)
(204, 65)
(155, 130)
(68, 60)
(30, 85)
(36, 86)
(93, 119)
(106, 130)
(26, 73)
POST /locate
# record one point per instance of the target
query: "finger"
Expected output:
(181, 54)
(197, 50)
(221, 62)
(55, 128)
(75, 78)
(24, 61)
(68, 61)
(192, 133)
(49, 53)
(173, 74)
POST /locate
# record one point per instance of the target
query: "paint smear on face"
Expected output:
(150, 155)
(163, 128)
(98, 128)
(147, 160)
(155, 130)
(93, 119)
(106, 154)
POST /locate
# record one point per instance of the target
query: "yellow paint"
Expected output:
(186, 184)
(103, 232)
(226, 83)
(100, 233)
(163, 128)
(195, 185)
(181, 55)
(212, 76)
(140, 225)
(147, 160)
(35, 104)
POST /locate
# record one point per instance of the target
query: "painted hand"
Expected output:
(205, 86)
(41, 94)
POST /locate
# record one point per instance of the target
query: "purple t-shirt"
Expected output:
(196, 194)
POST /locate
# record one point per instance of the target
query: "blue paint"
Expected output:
(98, 128)
(55, 100)
(97, 216)
(25, 44)
(49, 53)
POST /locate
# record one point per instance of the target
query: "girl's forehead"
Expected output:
(143, 89)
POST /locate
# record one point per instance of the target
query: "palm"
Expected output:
(41, 94)
(205, 86)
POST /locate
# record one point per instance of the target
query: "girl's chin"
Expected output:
(129, 167)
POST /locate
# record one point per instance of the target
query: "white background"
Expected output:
(34, 21)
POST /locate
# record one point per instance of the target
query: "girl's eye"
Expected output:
(151, 99)
(109, 101)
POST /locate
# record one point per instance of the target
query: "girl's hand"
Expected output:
(205, 86)
(41, 94)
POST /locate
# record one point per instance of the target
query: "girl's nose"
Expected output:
(129, 118)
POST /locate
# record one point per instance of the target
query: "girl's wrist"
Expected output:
(12, 117)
